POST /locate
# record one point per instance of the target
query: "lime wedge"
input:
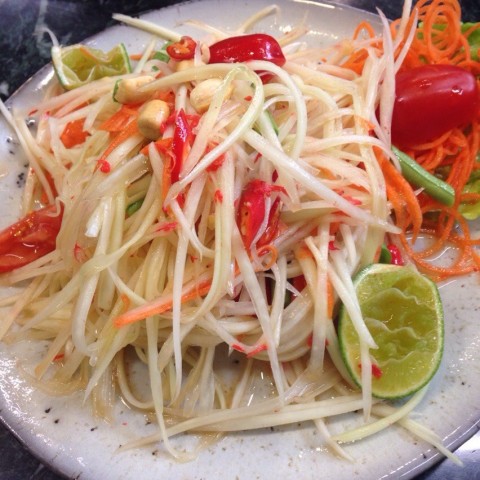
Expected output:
(77, 65)
(403, 312)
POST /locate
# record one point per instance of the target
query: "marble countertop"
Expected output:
(22, 53)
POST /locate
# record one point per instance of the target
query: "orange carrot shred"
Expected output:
(438, 39)
(161, 305)
(130, 130)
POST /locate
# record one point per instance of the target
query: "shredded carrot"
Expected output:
(265, 250)
(302, 251)
(356, 61)
(130, 130)
(364, 27)
(167, 96)
(470, 197)
(126, 301)
(73, 133)
(439, 39)
(161, 305)
(119, 120)
(356, 58)
(405, 202)
(330, 299)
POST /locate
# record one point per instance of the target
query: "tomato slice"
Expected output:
(430, 101)
(30, 238)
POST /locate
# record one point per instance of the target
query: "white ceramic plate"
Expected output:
(65, 435)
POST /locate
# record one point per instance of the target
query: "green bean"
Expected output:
(418, 176)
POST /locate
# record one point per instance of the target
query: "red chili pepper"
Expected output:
(32, 237)
(166, 227)
(238, 347)
(79, 253)
(332, 246)
(272, 225)
(218, 162)
(218, 196)
(376, 370)
(299, 282)
(184, 49)
(104, 166)
(257, 46)
(396, 255)
(182, 141)
(251, 211)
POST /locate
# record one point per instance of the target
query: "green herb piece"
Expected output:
(133, 207)
(385, 255)
(473, 39)
(162, 56)
(272, 121)
(471, 211)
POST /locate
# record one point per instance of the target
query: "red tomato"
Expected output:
(430, 101)
(30, 238)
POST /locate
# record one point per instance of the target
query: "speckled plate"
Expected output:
(63, 432)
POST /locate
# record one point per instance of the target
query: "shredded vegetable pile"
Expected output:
(201, 207)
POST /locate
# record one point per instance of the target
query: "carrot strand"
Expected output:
(439, 39)
(161, 305)
(130, 130)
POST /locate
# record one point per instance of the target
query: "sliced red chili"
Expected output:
(182, 141)
(396, 255)
(272, 225)
(251, 212)
(184, 49)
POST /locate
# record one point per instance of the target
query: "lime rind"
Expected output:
(403, 312)
(78, 65)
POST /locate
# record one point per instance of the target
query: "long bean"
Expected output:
(418, 176)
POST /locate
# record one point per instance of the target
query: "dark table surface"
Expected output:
(22, 54)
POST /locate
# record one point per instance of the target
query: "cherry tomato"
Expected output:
(30, 238)
(430, 101)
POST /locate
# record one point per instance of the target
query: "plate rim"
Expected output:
(7, 419)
